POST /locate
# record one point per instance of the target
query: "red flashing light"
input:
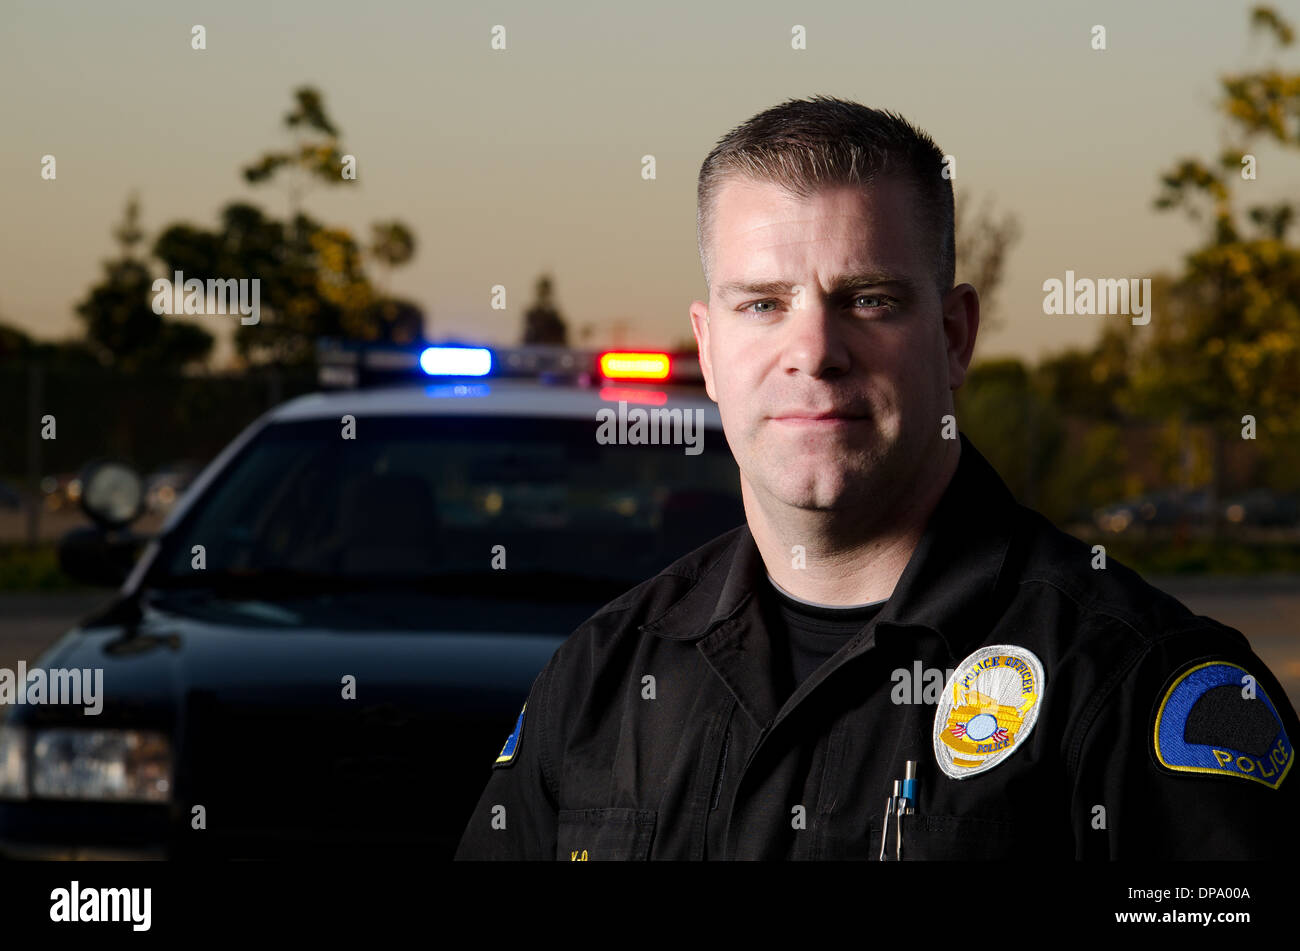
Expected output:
(634, 365)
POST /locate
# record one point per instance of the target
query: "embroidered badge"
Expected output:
(507, 754)
(987, 709)
(1215, 718)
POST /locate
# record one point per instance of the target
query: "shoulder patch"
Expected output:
(987, 709)
(507, 754)
(1215, 718)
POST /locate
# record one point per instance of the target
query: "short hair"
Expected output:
(806, 145)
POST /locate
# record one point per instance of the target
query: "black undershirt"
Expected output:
(805, 636)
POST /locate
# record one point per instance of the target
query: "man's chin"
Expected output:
(821, 497)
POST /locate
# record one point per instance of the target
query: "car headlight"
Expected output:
(116, 765)
(13, 762)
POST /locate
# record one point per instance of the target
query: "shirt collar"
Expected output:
(953, 584)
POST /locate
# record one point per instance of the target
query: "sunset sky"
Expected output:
(509, 163)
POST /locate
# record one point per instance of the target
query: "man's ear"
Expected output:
(700, 325)
(961, 322)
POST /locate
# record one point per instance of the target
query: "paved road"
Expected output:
(1266, 610)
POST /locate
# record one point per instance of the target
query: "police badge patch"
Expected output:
(988, 707)
(1215, 718)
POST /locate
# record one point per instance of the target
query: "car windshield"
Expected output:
(503, 508)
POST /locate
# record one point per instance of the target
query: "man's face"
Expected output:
(824, 341)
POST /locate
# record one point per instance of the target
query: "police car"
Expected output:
(329, 640)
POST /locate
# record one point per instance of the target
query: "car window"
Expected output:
(417, 497)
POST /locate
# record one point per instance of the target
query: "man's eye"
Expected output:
(749, 308)
(884, 300)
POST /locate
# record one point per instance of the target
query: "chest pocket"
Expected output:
(949, 838)
(605, 835)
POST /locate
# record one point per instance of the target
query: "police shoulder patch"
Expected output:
(988, 707)
(509, 751)
(1214, 717)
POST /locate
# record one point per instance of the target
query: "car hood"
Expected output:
(279, 751)
(152, 663)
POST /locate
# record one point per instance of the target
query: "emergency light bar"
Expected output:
(349, 364)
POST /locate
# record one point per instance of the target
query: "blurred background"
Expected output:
(528, 175)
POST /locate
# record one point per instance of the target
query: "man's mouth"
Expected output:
(814, 414)
(815, 418)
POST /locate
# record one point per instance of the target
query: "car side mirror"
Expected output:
(112, 494)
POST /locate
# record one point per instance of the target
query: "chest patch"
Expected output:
(1215, 718)
(987, 709)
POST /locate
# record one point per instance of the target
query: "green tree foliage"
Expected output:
(247, 244)
(1226, 339)
(313, 278)
(1096, 472)
(121, 327)
(1085, 384)
(391, 243)
(315, 156)
(1007, 415)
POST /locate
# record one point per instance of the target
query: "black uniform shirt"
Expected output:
(657, 730)
(811, 633)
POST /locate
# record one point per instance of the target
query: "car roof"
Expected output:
(500, 397)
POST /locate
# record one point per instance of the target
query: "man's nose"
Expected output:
(814, 343)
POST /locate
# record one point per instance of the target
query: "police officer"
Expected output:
(891, 659)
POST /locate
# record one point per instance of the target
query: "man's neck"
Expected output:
(810, 555)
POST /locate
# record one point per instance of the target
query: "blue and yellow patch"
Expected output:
(1215, 718)
(507, 754)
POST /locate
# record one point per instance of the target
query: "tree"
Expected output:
(121, 327)
(1227, 343)
(1089, 384)
(391, 245)
(1003, 412)
(312, 158)
(313, 280)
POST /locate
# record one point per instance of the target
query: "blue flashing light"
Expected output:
(456, 361)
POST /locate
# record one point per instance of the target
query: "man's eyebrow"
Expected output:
(845, 282)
